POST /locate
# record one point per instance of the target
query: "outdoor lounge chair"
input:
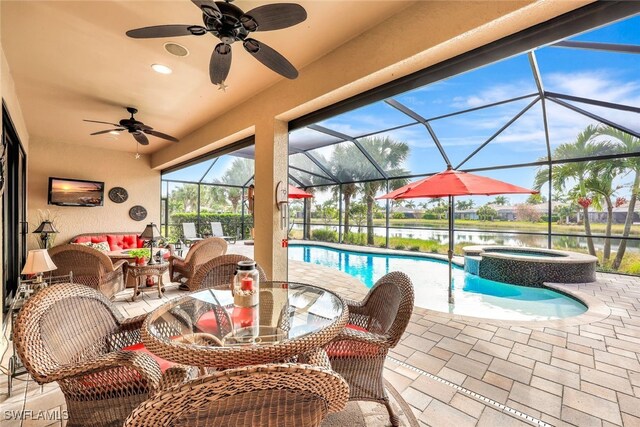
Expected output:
(283, 395)
(375, 325)
(71, 334)
(90, 267)
(199, 253)
(216, 231)
(190, 233)
(218, 273)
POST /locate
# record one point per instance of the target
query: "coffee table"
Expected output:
(139, 272)
(204, 328)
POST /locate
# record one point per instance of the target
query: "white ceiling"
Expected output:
(71, 60)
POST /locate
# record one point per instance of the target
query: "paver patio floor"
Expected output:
(462, 371)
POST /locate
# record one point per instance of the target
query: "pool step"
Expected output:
(472, 264)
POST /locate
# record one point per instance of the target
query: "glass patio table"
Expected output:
(205, 329)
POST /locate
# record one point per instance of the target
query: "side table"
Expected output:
(139, 272)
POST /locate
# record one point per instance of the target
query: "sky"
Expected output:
(599, 75)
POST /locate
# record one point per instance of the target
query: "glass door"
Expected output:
(14, 210)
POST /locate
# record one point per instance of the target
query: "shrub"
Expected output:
(324, 235)
(399, 247)
(415, 248)
(429, 215)
(398, 215)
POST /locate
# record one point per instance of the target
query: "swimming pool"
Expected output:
(474, 295)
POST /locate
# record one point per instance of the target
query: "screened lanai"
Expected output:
(562, 118)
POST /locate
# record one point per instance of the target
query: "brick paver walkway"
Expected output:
(461, 371)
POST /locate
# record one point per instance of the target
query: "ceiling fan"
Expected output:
(230, 24)
(135, 128)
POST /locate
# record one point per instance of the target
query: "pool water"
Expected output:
(525, 253)
(474, 296)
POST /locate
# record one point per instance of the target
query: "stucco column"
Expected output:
(272, 147)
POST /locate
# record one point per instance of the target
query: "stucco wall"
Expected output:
(115, 168)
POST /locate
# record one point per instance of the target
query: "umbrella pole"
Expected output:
(450, 252)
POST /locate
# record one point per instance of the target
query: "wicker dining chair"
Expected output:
(199, 253)
(375, 325)
(90, 267)
(218, 273)
(72, 334)
(271, 395)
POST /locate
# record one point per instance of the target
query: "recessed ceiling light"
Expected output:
(114, 132)
(176, 49)
(162, 69)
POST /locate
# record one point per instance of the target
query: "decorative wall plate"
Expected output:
(137, 213)
(118, 195)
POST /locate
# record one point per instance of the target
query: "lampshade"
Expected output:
(45, 227)
(38, 261)
(151, 232)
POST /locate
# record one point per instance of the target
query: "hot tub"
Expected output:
(529, 266)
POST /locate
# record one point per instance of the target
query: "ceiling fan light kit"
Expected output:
(230, 24)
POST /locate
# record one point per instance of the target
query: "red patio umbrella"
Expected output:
(296, 193)
(451, 183)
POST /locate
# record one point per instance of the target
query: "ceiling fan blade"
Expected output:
(166, 31)
(161, 135)
(270, 58)
(220, 63)
(141, 138)
(273, 17)
(104, 123)
(107, 131)
(144, 127)
(209, 8)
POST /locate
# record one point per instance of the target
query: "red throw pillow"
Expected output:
(82, 239)
(114, 243)
(164, 364)
(129, 241)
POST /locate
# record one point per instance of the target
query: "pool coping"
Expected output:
(457, 260)
(564, 257)
(597, 310)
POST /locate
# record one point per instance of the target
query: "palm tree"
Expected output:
(629, 144)
(500, 200)
(600, 183)
(583, 146)
(390, 155)
(344, 165)
(240, 171)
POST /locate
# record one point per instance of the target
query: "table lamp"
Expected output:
(151, 233)
(45, 228)
(38, 261)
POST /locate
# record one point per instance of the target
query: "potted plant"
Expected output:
(141, 255)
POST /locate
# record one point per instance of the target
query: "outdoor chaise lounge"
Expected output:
(190, 233)
(216, 231)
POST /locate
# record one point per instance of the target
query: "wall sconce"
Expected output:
(282, 201)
